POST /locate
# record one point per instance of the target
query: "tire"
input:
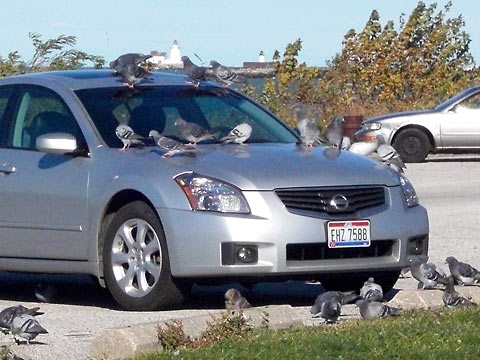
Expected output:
(386, 279)
(412, 144)
(136, 263)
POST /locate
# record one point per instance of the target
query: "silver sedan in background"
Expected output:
(147, 226)
(452, 125)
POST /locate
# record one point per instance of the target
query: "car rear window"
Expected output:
(157, 108)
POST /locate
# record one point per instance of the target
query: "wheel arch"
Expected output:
(418, 127)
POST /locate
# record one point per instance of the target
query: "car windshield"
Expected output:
(158, 107)
(454, 100)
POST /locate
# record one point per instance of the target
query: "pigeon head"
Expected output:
(232, 294)
(186, 60)
(180, 123)
(214, 64)
(450, 260)
(154, 134)
(112, 64)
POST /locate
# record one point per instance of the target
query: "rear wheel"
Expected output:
(412, 145)
(136, 263)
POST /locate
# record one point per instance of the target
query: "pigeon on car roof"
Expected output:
(127, 66)
(194, 72)
(224, 75)
(463, 273)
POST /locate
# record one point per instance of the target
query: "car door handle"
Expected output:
(7, 169)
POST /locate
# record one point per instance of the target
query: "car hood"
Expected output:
(400, 114)
(271, 166)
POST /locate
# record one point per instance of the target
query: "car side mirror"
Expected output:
(57, 143)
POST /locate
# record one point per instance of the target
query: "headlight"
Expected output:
(411, 197)
(371, 126)
(209, 194)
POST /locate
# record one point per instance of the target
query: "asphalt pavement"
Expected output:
(447, 185)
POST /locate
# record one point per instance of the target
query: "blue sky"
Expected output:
(228, 31)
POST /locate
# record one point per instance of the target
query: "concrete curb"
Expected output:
(134, 340)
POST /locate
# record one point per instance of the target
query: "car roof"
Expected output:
(90, 78)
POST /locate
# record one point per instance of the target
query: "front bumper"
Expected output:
(195, 238)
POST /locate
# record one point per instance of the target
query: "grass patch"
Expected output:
(441, 334)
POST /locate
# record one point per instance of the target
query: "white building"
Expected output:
(160, 59)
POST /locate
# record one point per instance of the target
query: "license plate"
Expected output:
(354, 233)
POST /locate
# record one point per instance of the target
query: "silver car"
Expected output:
(452, 125)
(148, 226)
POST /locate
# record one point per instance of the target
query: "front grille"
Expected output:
(338, 200)
(321, 251)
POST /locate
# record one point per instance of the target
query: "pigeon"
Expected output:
(428, 275)
(27, 327)
(330, 311)
(224, 75)
(371, 291)
(389, 155)
(463, 273)
(452, 299)
(127, 59)
(235, 301)
(346, 143)
(335, 131)
(45, 292)
(171, 146)
(128, 137)
(332, 296)
(127, 67)
(364, 147)
(309, 131)
(192, 131)
(194, 72)
(238, 135)
(7, 315)
(376, 310)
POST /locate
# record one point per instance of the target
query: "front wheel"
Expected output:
(136, 263)
(412, 145)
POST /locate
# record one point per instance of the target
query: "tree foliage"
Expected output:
(52, 54)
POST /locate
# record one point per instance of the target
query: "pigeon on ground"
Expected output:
(376, 310)
(335, 131)
(128, 137)
(26, 327)
(371, 291)
(171, 146)
(235, 301)
(452, 298)
(194, 72)
(330, 311)
(45, 292)
(238, 135)
(224, 75)
(193, 132)
(309, 131)
(389, 155)
(463, 273)
(332, 296)
(428, 275)
(8, 314)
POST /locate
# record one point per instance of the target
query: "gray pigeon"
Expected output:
(238, 135)
(45, 292)
(8, 314)
(335, 131)
(376, 310)
(235, 301)
(463, 273)
(128, 137)
(428, 275)
(171, 146)
(364, 147)
(194, 72)
(224, 75)
(346, 143)
(309, 131)
(330, 311)
(371, 291)
(389, 155)
(127, 59)
(332, 296)
(127, 67)
(452, 298)
(26, 327)
(193, 132)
